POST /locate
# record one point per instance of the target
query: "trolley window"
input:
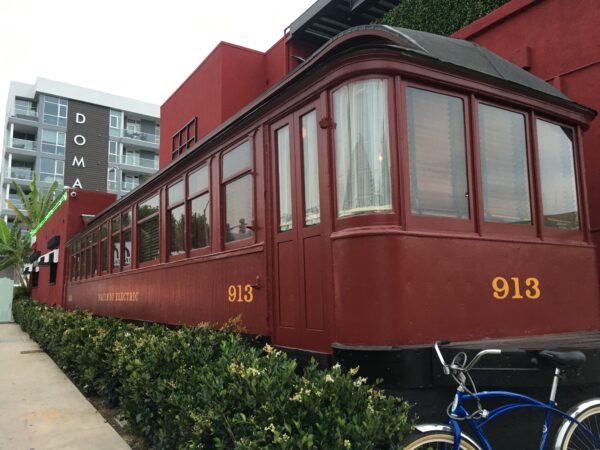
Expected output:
(148, 229)
(557, 172)
(176, 214)
(238, 188)
(285, 178)
(504, 166)
(437, 154)
(312, 206)
(362, 148)
(199, 207)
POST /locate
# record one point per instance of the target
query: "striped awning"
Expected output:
(30, 268)
(49, 258)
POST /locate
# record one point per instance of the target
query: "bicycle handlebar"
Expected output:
(448, 367)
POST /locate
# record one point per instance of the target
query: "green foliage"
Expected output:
(36, 203)
(438, 16)
(14, 249)
(197, 387)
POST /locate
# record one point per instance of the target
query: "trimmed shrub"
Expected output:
(198, 387)
(438, 16)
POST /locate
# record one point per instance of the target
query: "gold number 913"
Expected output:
(240, 293)
(504, 288)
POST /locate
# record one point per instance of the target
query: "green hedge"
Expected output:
(438, 16)
(197, 387)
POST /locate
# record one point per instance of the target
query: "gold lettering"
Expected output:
(126, 296)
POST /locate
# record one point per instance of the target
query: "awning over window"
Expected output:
(30, 268)
(49, 258)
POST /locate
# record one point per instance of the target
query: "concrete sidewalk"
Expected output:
(39, 406)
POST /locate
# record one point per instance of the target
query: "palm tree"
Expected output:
(14, 249)
(36, 203)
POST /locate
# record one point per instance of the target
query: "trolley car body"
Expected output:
(396, 188)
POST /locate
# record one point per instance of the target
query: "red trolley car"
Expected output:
(395, 188)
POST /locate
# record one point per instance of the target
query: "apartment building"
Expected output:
(80, 137)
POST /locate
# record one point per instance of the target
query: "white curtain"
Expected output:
(285, 181)
(312, 208)
(362, 148)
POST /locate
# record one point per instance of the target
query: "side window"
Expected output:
(126, 237)
(362, 149)
(238, 189)
(199, 207)
(176, 215)
(148, 229)
(104, 248)
(504, 166)
(437, 154)
(557, 167)
(115, 230)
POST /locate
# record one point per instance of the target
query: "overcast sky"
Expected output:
(138, 49)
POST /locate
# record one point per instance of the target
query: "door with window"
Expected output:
(301, 251)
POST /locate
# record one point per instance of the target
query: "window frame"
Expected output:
(59, 102)
(137, 235)
(189, 197)
(434, 222)
(373, 218)
(521, 231)
(56, 143)
(549, 233)
(224, 181)
(168, 208)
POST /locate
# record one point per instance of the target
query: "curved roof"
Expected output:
(455, 54)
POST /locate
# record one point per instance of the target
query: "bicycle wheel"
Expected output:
(578, 439)
(433, 440)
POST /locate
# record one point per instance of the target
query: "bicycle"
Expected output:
(579, 430)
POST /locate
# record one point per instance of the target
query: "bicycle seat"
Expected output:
(573, 359)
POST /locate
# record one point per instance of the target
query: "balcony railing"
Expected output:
(112, 186)
(140, 162)
(15, 201)
(20, 173)
(22, 144)
(129, 185)
(25, 113)
(51, 178)
(135, 135)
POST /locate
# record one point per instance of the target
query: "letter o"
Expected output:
(79, 139)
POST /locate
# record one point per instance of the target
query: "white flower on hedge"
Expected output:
(359, 381)
(328, 379)
(347, 443)
(270, 428)
(354, 370)
(337, 366)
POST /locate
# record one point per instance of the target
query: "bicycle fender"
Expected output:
(574, 412)
(426, 427)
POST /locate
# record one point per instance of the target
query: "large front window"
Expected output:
(362, 148)
(55, 111)
(437, 154)
(557, 167)
(53, 142)
(52, 170)
(504, 167)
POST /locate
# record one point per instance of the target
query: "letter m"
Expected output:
(78, 162)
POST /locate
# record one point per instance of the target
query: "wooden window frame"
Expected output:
(158, 213)
(240, 243)
(168, 208)
(373, 218)
(424, 221)
(185, 138)
(188, 210)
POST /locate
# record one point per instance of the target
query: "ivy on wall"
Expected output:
(438, 16)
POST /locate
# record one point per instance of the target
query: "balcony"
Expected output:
(141, 136)
(129, 185)
(20, 173)
(135, 161)
(25, 113)
(22, 144)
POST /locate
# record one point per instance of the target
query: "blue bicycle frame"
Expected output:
(518, 401)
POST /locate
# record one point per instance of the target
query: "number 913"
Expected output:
(515, 289)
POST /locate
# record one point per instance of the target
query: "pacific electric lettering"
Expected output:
(80, 141)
